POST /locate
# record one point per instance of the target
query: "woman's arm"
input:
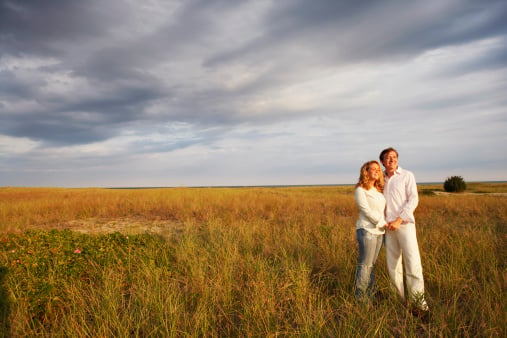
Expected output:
(374, 216)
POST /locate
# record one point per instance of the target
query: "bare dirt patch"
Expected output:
(122, 225)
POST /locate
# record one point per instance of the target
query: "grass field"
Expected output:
(256, 262)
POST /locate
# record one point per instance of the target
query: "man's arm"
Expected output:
(411, 202)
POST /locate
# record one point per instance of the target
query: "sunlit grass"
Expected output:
(237, 262)
(472, 187)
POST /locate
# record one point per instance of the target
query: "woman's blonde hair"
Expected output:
(364, 180)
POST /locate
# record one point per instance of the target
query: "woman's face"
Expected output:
(374, 172)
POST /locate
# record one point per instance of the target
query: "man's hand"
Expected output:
(394, 225)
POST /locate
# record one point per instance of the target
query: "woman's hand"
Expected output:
(394, 225)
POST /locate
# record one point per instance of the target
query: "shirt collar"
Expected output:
(396, 172)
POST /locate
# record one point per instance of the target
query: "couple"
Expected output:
(386, 205)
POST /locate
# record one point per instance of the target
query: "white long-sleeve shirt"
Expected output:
(371, 204)
(400, 191)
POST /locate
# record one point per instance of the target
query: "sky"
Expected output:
(128, 93)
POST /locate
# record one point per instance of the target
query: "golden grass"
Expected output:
(237, 262)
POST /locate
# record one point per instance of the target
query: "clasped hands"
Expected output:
(394, 225)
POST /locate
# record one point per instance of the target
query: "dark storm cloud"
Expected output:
(117, 92)
(173, 72)
(12, 87)
(370, 30)
(58, 131)
(40, 27)
(76, 117)
(119, 73)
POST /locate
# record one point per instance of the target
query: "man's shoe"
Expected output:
(423, 313)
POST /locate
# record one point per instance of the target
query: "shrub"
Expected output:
(455, 184)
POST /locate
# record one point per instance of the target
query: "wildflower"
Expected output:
(77, 251)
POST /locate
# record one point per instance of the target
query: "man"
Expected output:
(400, 191)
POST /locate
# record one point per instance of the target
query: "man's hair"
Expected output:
(385, 151)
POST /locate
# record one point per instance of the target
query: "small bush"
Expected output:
(455, 184)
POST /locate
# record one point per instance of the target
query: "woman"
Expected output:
(370, 226)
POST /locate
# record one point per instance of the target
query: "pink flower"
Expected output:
(77, 251)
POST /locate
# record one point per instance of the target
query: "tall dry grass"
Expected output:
(238, 262)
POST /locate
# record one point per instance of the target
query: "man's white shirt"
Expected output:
(400, 191)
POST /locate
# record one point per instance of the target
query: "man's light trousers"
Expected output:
(403, 243)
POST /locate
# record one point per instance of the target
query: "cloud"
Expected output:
(338, 31)
(248, 90)
(44, 27)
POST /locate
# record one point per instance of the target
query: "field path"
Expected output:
(123, 225)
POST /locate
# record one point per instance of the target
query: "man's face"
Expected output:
(390, 161)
